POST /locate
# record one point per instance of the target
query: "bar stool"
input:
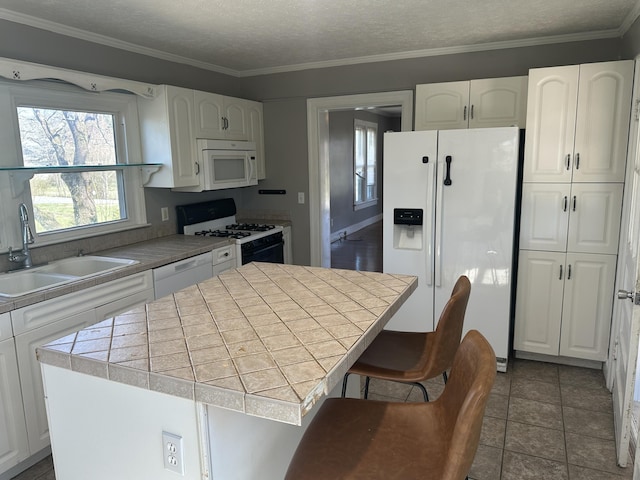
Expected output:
(412, 357)
(368, 439)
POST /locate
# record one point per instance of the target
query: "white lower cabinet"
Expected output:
(563, 304)
(46, 321)
(224, 258)
(31, 377)
(288, 247)
(13, 431)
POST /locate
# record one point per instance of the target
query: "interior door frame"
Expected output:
(614, 347)
(319, 166)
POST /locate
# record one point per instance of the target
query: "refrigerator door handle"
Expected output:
(438, 230)
(447, 175)
(429, 221)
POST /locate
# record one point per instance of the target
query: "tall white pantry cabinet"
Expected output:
(574, 167)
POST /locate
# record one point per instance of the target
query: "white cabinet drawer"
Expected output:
(224, 254)
(43, 313)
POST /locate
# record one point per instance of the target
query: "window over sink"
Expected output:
(63, 126)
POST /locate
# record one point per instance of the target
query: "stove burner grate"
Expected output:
(254, 227)
(222, 233)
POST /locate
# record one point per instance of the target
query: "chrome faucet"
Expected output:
(24, 256)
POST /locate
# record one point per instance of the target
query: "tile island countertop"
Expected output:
(267, 340)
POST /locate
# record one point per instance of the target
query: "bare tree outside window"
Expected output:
(52, 137)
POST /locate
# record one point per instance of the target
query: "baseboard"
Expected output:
(574, 362)
(25, 464)
(340, 234)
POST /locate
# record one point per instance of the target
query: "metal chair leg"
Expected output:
(424, 390)
(344, 384)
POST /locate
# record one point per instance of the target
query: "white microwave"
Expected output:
(225, 164)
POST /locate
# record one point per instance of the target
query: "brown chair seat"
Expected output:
(414, 357)
(368, 439)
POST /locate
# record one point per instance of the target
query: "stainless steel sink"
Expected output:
(22, 282)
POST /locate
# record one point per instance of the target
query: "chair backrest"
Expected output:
(449, 329)
(464, 400)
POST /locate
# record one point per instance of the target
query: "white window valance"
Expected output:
(19, 70)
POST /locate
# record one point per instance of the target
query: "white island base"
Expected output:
(105, 430)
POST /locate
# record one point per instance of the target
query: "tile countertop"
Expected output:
(265, 339)
(149, 254)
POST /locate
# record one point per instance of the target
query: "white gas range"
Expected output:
(217, 218)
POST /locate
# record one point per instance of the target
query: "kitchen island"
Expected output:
(235, 366)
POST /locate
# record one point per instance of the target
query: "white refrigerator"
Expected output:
(448, 210)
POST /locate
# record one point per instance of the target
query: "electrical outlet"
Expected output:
(300, 197)
(164, 211)
(172, 452)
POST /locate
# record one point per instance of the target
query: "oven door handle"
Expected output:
(264, 249)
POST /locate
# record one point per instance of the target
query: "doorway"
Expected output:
(318, 110)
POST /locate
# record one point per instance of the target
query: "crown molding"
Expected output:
(630, 18)
(108, 41)
(431, 52)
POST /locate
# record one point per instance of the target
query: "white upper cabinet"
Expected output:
(442, 106)
(594, 217)
(577, 217)
(168, 136)
(255, 133)
(171, 122)
(577, 122)
(602, 123)
(209, 109)
(492, 102)
(236, 118)
(219, 117)
(544, 219)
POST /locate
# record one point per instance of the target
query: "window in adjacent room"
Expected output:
(364, 168)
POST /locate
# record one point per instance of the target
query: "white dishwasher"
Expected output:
(178, 275)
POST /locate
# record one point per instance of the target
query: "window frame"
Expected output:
(359, 123)
(47, 94)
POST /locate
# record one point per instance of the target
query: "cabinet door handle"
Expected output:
(564, 207)
(574, 203)
(569, 272)
(197, 168)
(568, 161)
(560, 277)
(471, 112)
(577, 161)
(464, 113)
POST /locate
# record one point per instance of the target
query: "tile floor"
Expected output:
(542, 422)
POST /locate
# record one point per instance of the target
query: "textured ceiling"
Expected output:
(245, 37)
